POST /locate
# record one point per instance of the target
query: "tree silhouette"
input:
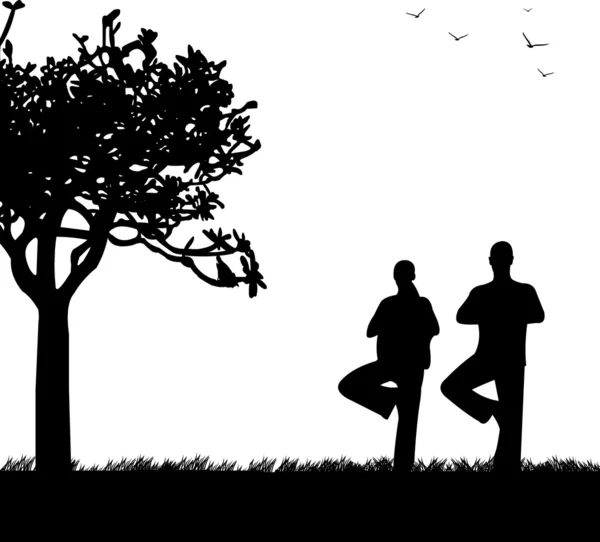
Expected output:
(96, 137)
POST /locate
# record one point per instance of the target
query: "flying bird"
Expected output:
(456, 37)
(527, 10)
(544, 74)
(530, 45)
(416, 16)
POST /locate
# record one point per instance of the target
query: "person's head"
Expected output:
(404, 272)
(501, 256)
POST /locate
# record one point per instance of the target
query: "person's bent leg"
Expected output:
(363, 386)
(458, 388)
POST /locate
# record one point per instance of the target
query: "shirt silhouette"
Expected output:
(404, 325)
(502, 309)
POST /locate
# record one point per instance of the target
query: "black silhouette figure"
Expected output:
(416, 16)
(93, 136)
(544, 74)
(404, 325)
(527, 10)
(530, 45)
(456, 37)
(502, 309)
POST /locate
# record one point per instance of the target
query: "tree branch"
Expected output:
(98, 238)
(6, 239)
(184, 260)
(73, 233)
(17, 5)
(202, 252)
(82, 210)
(24, 277)
(78, 252)
(124, 242)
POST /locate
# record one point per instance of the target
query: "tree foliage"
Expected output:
(97, 136)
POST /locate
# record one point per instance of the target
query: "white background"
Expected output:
(383, 139)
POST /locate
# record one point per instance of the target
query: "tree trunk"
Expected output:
(52, 417)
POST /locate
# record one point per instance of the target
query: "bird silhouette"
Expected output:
(416, 16)
(456, 37)
(527, 10)
(530, 45)
(544, 74)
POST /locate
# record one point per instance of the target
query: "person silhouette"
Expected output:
(404, 325)
(502, 309)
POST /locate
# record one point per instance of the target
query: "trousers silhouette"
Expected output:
(364, 386)
(508, 409)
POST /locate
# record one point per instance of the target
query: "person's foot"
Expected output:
(386, 415)
(392, 392)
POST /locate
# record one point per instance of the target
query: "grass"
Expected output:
(328, 465)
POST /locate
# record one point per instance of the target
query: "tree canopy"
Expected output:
(97, 136)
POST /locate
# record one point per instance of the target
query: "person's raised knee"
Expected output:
(343, 387)
(447, 387)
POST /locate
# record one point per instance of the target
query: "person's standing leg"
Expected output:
(458, 388)
(510, 386)
(363, 386)
(409, 397)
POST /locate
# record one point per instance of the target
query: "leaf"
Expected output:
(219, 67)
(147, 36)
(243, 245)
(7, 5)
(112, 15)
(8, 49)
(189, 244)
(19, 5)
(210, 234)
(81, 39)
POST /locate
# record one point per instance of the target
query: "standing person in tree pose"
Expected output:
(404, 325)
(502, 309)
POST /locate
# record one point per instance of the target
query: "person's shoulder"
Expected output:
(387, 301)
(425, 301)
(481, 289)
(527, 289)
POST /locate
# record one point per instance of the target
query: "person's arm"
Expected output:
(433, 327)
(535, 312)
(374, 325)
(469, 312)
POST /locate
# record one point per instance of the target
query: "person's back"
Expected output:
(407, 325)
(404, 325)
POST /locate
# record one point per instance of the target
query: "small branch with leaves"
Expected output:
(8, 49)
(220, 246)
